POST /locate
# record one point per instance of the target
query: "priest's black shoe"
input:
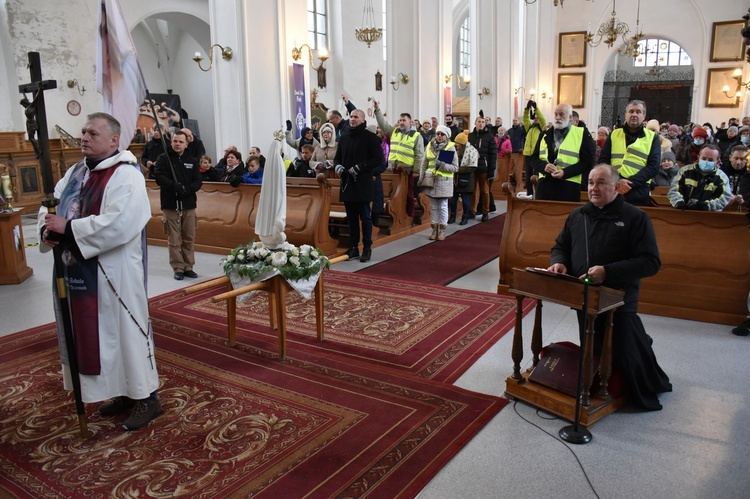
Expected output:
(190, 274)
(143, 412)
(179, 276)
(366, 255)
(116, 406)
(353, 253)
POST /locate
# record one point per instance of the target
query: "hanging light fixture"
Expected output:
(609, 32)
(631, 48)
(368, 32)
(554, 2)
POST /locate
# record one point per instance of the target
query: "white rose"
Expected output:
(257, 245)
(304, 250)
(262, 252)
(230, 258)
(294, 261)
(314, 254)
(278, 259)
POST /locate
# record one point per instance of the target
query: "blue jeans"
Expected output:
(453, 203)
(356, 212)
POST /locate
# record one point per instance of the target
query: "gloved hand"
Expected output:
(180, 190)
(680, 205)
(354, 171)
(339, 170)
(528, 104)
(288, 125)
(697, 205)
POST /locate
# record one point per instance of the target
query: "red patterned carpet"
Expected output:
(354, 415)
(430, 331)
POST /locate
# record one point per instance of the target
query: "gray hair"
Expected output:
(112, 124)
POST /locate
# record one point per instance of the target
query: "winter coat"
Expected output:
(324, 153)
(361, 149)
(442, 187)
(188, 174)
(484, 142)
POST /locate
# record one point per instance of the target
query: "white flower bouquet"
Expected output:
(291, 262)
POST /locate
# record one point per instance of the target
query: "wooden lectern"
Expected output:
(566, 291)
(13, 267)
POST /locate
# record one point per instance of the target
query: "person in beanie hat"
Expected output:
(667, 171)
(687, 154)
(441, 169)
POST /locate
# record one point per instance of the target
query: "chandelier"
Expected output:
(554, 2)
(632, 47)
(609, 32)
(368, 32)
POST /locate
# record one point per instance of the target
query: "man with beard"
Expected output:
(358, 154)
(636, 153)
(613, 244)
(407, 150)
(566, 154)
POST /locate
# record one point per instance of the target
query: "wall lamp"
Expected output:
(532, 92)
(322, 55)
(74, 84)
(402, 79)
(466, 80)
(483, 92)
(737, 75)
(547, 96)
(226, 54)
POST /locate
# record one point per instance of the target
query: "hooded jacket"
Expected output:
(325, 152)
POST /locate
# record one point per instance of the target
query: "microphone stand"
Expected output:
(576, 434)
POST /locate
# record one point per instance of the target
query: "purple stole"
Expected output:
(81, 275)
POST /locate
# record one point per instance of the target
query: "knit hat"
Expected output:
(733, 128)
(444, 130)
(603, 129)
(653, 125)
(744, 129)
(700, 132)
(674, 128)
(668, 155)
(461, 138)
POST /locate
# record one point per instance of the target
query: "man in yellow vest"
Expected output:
(636, 153)
(566, 153)
(407, 150)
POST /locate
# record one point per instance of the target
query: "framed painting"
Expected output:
(572, 50)
(29, 180)
(570, 89)
(727, 43)
(715, 96)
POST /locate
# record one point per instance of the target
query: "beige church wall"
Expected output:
(64, 34)
(11, 112)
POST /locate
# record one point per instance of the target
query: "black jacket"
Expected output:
(359, 148)
(151, 152)
(188, 175)
(620, 237)
(234, 178)
(300, 168)
(484, 142)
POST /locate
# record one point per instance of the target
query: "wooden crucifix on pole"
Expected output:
(36, 127)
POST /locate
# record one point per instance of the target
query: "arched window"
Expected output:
(317, 32)
(464, 49)
(658, 52)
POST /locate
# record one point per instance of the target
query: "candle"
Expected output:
(7, 190)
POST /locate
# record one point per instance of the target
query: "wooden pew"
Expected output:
(705, 272)
(226, 216)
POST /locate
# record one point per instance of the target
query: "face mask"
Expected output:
(705, 166)
(698, 142)
(745, 140)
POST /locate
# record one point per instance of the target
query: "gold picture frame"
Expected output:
(727, 43)
(571, 88)
(716, 79)
(571, 50)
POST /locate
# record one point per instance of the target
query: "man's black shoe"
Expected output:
(116, 406)
(190, 274)
(472, 214)
(485, 217)
(452, 219)
(179, 276)
(464, 220)
(743, 329)
(143, 412)
(353, 253)
(366, 255)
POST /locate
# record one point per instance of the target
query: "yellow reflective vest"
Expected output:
(430, 155)
(631, 159)
(568, 154)
(402, 146)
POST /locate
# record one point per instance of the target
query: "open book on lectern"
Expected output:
(565, 277)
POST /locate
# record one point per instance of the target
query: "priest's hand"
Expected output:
(596, 274)
(55, 223)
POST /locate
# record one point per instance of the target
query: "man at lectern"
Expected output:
(613, 244)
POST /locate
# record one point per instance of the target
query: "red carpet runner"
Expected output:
(442, 262)
(350, 416)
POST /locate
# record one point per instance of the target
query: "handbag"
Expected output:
(464, 180)
(427, 181)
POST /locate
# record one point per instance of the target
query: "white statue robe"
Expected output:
(115, 237)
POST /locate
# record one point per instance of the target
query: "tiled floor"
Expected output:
(697, 446)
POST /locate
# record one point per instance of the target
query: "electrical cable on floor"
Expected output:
(563, 443)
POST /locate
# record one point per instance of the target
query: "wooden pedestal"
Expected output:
(13, 268)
